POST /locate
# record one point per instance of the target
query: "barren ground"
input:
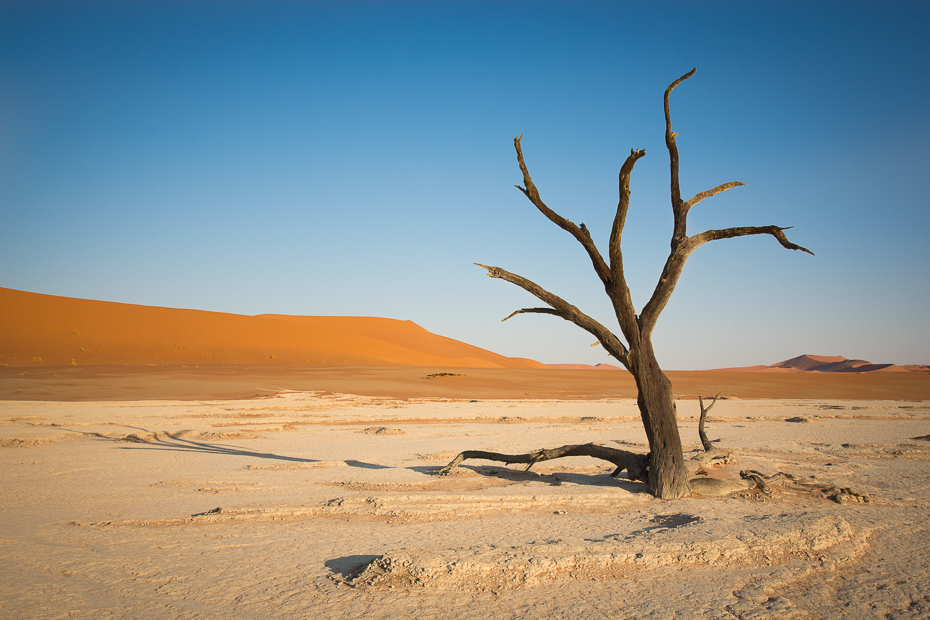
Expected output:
(313, 505)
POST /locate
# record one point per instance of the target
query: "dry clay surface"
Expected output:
(311, 505)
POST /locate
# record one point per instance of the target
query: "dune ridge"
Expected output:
(47, 330)
(829, 363)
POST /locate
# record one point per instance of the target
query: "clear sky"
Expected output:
(355, 158)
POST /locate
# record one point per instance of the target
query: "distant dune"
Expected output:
(46, 330)
(824, 363)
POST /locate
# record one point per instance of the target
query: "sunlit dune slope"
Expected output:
(45, 330)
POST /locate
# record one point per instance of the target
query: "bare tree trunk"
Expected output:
(668, 477)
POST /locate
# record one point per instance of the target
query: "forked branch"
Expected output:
(676, 263)
(563, 309)
(704, 440)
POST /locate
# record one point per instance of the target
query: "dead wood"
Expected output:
(667, 473)
(636, 465)
(704, 440)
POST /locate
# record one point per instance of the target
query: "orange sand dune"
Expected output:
(45, 330)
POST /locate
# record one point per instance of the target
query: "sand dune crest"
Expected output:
(45, 330)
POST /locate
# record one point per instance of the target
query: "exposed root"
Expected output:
(636, 465)
(637, 468)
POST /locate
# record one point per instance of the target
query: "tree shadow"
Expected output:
(173, 442)
(363, 465)
(554, 479)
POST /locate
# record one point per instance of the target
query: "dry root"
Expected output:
(636, 465)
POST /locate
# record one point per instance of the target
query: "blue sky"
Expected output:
(356, 158)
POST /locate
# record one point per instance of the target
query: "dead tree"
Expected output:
(665, 472)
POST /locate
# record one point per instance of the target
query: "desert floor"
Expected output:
(273, 508)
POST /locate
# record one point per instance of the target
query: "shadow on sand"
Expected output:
(175, 443)
(554, 479)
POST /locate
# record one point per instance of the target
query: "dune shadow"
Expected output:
(349, 566)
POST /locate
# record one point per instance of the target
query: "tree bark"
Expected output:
(668, 477)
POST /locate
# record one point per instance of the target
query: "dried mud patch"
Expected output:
(675, 541)
(30, 442)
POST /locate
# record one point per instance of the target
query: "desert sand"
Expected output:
(299, 504)
(163, 463)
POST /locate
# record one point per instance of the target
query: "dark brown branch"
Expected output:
(704, 440)
(676, 263)
(743, 231)
(578, 232)
(533, 310)
(565, 310)
(619, 293)
(711, 192)
(636, 465)
(680, 227)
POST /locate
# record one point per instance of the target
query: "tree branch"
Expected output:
(676, 263)
(565, 310)
(578, 232)
(533, 310)
(680, 230)
(704, 440)
(636, 465)
(681, 244)
(620, 292)
(711, 192)
(743, 231)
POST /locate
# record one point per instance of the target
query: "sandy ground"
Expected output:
(237, 381)
(315, 505)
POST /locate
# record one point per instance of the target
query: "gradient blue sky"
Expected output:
(356, 158)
